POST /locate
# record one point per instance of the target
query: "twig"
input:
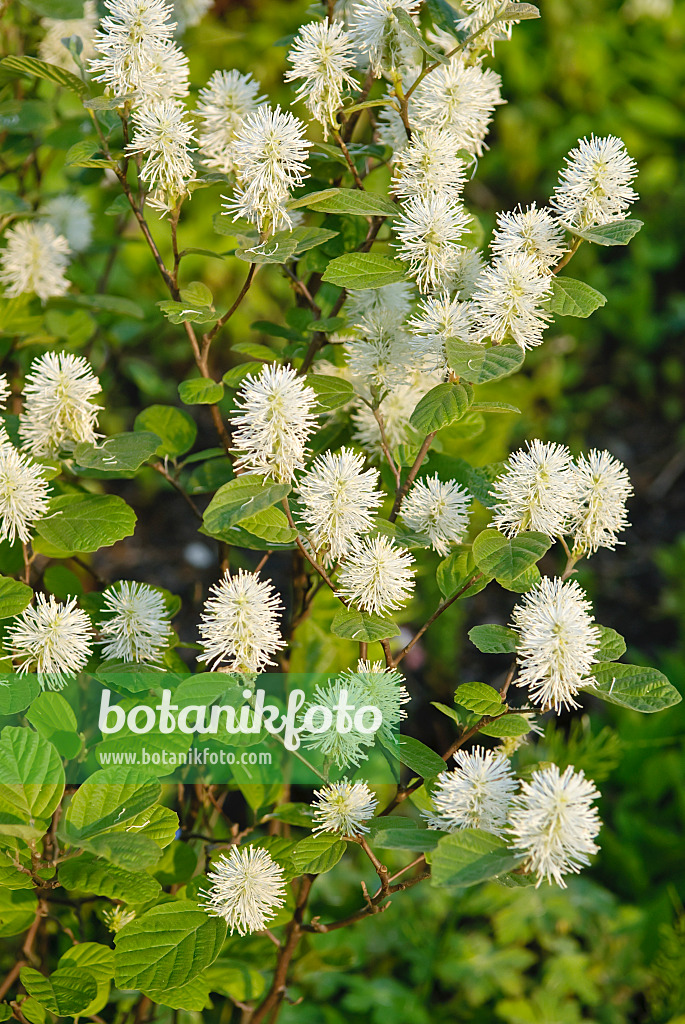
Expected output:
(163, 471)
(403, 489)
(348, 159)
(293, 934)
(443, 606)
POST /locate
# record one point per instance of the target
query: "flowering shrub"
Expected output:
(339, 444)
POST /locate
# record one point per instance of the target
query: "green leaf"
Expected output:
(480, 698)
(309, 238)
(167, 947)
(182, 312)
(518, 12)
(90, 874)
(14, 597)
(51, 715)
(618, 232)
(31, 778)
(197, 292)
(363, 627)
(98, 960)
(419, 840)
(441, 406)
(67, 992)
(265, 530)
(331, 392)
(109, 103)
(200, 391)
(470, 856)
(574, 298)
(174, 426)
(12, 878)
(412, 31)
(39, 69)
(508, 557)
(241, 499)
(81, 154)
(236, 980)
(120, 452)
(194, 995)
(493, 639)
(317, 854)
(420, 758)
(479, 364)
(635, 687)
(17, 910)
(84, 522)
(494, 407)
(348, 200)
(506, 725)
(278, 249)
(528, 579)
(235, 376)
(17, 692)
(455, 571)
(611, 644)
(364, 270)
(444, 16)
(109, 798)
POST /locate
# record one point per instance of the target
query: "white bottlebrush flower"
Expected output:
(117, 917)
(344, 747)
(71, 217)
(460, 99)
(34, 260)
(379, 35)
(392, 301)
(52, 49)
(23, 493)
(239, 628)
(5, 391)
(557, 642)
(247, 889)
(509, 297)
(532, 231)
(382, 688)
(269, 159)
(477, 13)
(274, 417)
(59, 411)
(535, 491)
(429, 232)
(475, 794)
(322, 56)
(136, 625)
(222, 106)
(438, 318)
(381, 355)
(378, 577)
(430, 164)
(595, 186)
(163, 136)
(438, 509)
(136, 54)
(554, 823)
(601, 488)
(52, 639)
(339, 500)
(343, 808)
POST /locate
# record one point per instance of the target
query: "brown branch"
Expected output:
(443, 606)
(294, 931)
(575, 246)
(163, 471)
(348, 160)
(209, 337)
(310, 558)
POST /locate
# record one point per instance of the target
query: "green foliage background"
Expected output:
(609, 949)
